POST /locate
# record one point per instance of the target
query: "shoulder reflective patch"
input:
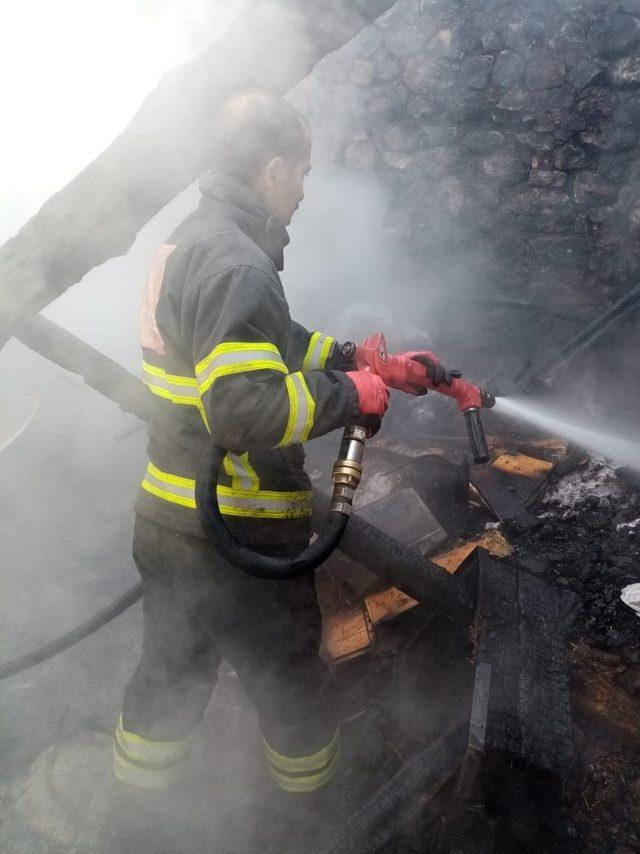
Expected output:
(150, 336)
(317, 352)
(236, 357)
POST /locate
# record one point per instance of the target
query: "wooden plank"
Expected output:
(493, 541)
(523, 465)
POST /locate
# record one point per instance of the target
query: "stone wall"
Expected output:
(506, 134)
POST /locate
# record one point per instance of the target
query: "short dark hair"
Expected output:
(253, 128)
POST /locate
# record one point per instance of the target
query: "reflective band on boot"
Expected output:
(147, 764)
(304, 773)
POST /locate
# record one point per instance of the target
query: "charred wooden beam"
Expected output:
(271, 45)
(97, 370)
(521, 701)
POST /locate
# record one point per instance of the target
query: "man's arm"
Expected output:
(312, 351)
(241, 326)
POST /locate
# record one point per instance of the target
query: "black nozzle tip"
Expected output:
(488, 399)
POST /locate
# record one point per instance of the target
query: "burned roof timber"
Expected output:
(163, 149)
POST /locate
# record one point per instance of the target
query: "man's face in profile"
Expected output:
(282, 185)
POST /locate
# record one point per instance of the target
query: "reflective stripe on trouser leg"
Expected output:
(145, 763)
(304, 773)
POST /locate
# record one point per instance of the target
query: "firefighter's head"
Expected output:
(264, 142)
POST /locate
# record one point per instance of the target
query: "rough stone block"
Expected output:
(505, 167)
(387, 69)
(483, 141)
(570, 156)
(547, 178)
(610, 138)
(431, 137)
(397, 160)
(537, 141)
(626, 71)
(516, 101)
(589, 188)
(361, 155)
(436, 162)
(400, 138)
(614, 35)
(508, 70)
(584, 73)
(544, 71)
(423, 74)
(475, 71)
(490, 41)
(559, 250)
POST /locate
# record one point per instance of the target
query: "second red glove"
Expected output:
(373, 395)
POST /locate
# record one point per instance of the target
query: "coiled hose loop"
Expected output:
(249, 561)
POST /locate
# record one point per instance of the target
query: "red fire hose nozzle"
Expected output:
(401, 371)
(470, 399)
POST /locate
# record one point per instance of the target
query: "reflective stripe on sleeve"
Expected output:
(304, 773)
(317, 352)
(301, 410)
(251, 503)
(235, 357)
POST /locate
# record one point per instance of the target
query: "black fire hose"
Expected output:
(59, 644)
(347, 472)
(383, 555)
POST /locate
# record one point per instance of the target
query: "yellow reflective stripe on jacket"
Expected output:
(235, 357)
(171, 487)
(301, 410)
(304, 773)
(317, 352)
(180, 390)
(261, 503)
(175, 388)
(241, 472)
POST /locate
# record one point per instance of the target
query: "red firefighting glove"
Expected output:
(403, 376)
(373, 395)
(414, 371)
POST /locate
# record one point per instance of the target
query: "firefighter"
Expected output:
(223, 359)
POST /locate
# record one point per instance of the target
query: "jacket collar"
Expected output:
(237, 202)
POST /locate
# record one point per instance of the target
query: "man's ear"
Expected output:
(273, 172)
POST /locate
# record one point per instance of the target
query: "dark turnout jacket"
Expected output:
(223, 359)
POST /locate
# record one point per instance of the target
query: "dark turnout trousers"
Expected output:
(197, 609)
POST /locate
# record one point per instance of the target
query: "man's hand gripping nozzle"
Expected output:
(419, 371)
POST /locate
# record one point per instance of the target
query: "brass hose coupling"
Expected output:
(347, 469)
